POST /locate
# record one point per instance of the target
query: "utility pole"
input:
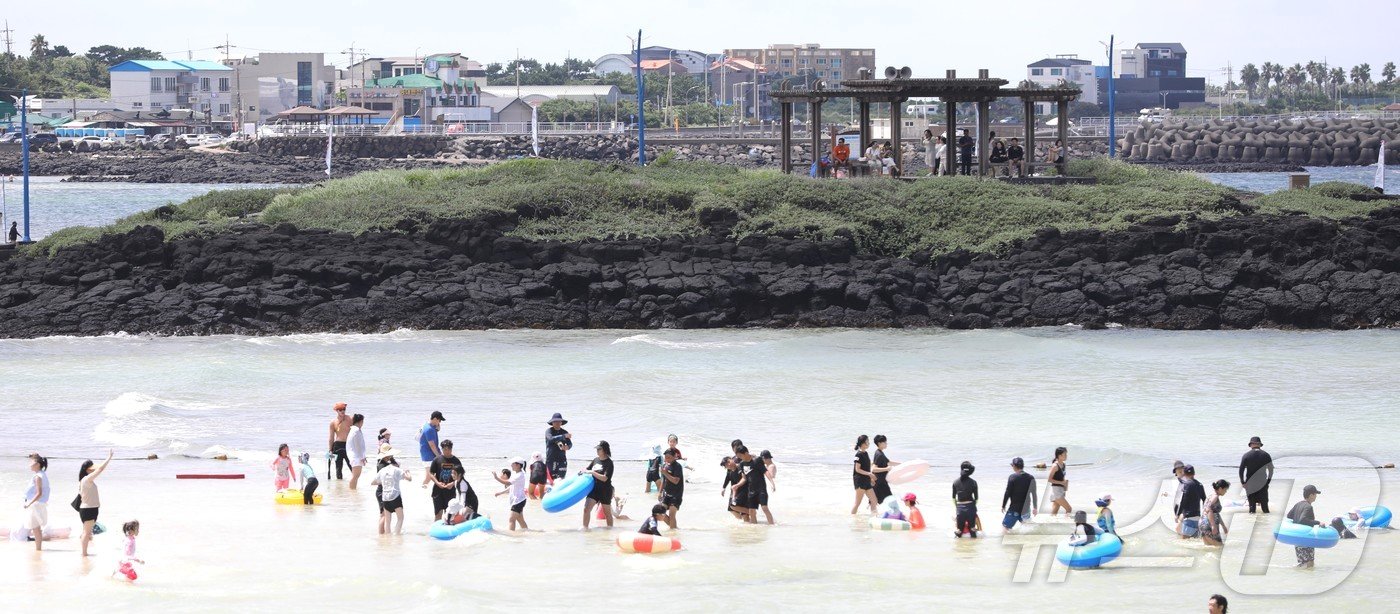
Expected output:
(641, 106)
(237, 86)
(1112, 120)
(8, 41)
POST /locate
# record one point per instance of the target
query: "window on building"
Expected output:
(170, 84)
(304, 84)
(1055, 72)
(224, 109)
(136, 105)
(835, 63)
(835, 74)
(821, 61)
(1172, 73)
(1037, 72)
(204, 84)
(802, 62)
(155, 84)
(821, 73)
(787, 61)
(1154, 73)
(223, 84)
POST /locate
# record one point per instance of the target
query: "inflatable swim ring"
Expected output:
(1302, 535)
(1375, 517)
(442, 530)
(26, 535)
(889, 524)
(566, 494)
(293, 496)
(1102, 550)
(907, 472)
(642, 543)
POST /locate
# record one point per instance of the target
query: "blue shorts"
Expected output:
(1191, 527)
(1012, 518)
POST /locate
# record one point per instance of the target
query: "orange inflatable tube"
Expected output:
(641, 543)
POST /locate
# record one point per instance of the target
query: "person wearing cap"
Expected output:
(557, 442)
(1302, 513)
(339, 432)
(1019, 501)
(428, 449)
(390, 494)
(1105, 519)
(965, 502)
(1256, 472)
(672, 484)
(539, 476)
(355, 449)
(1193, 496)
(1178, 472)
(652, 525)
(514, 481)
(602, 493)
(440, 474)
(915, 517)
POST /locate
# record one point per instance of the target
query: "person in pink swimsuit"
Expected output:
(284, 471)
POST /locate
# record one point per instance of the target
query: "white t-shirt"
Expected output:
(389, 478)
(355, 447)
(517, 487)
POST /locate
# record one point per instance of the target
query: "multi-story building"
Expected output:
(433, 91)
(369, 69)
(163, 85)
(1153, 75)
(1152, 60)
(833, 65)
(271, 83)
(1066, 68)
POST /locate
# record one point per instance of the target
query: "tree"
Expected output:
(61, 51)
(1338, 78)
(1317, 73)
(38, 47)
(1249, 76)
(1388, 72)
(111, 55)
(1295, 77)
(1275, 74)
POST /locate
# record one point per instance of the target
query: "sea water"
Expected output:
(1274, 182)
(56, 204)
(1125, 402)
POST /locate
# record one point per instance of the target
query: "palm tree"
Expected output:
(38, 47)
(1276, 74)
(1388, 72)
(1365, 71)
(1339, 78)
(1317, 72)
(1249, 76)
(1295, 76)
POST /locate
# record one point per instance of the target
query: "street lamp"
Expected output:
(1164, 100)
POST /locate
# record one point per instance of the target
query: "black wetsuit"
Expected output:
(757, 483)
(554, 457)
(965, 496)
(1256, 472)
(1018, 491)
(672, 493)
(1193, 495)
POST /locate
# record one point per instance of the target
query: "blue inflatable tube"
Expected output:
(1375, 517)
(567, 493)
(1102, 550)
(444, 531)
(1305, 536)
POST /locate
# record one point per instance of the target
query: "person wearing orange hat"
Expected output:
(339, 432)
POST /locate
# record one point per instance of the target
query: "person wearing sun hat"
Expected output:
(390, 494)
(1256, 472)
(557, 442)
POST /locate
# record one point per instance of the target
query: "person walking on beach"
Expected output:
(1058, 483)
(36, 499)
(881, 469)
(1302, 513)
(440, 473)
(514, 481)
(1256, 472)
(428, 449)
(282, 470)
(862, 476)
(1213, 529)
(965, 496)
(1193, 495)
(672, 484)
(557, 442)
(1016, 158)
(391, 495)
(602, 493)
(339, 432)
(88, 501)
(1019, 501)
(355, 449)
(965, 146)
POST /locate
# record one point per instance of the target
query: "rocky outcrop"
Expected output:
(1302, 142)
(197, 167)
(1243, 272)
(418, 146)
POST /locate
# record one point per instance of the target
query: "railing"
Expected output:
(453, 129)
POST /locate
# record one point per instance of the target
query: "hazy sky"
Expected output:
(1000, 35)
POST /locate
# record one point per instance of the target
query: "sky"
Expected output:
(1004, 37)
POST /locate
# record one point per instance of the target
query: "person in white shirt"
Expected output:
(514, 480)
(874, 159)
(388, 479)
(355, 449)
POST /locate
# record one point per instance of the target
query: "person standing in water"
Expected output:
(440, 474)
(1213, 528)
(881, 469)
(756, 481)
(861, 475)
(355, 449)
(88, 501)
(1105, 520)
(428, 449)
(1019, 501)
(1302, 513)
(308, 480)
(539, 476)
(1193, 495)
(557, 442)
(36, 499)
(514, 481)
(602, 493)
(283, 471)
(389, 480)
(1256, 472)
(339, 432)
(1058, 483)
(672, 485)
(965, 496)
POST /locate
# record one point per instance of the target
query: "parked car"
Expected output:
(161, 139)
(210, 139)
(39, 139)
(189, 139)
(9, 137)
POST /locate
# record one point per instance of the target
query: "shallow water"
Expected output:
(1125, 402)
(55, 204)
(1274, 182)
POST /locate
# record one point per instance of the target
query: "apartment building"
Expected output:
(1065, 68)
(164, 85)
(270, 83)
(783, 60)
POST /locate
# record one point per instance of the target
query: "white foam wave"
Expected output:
(683, 345)
(139, 420)
(331, 339)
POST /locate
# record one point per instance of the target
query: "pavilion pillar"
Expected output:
(864, 127)
(984, 126)
(1030, 137)
(785, 141)
(950, 136)
(815, 127)
(896, 123)
(1062, 119)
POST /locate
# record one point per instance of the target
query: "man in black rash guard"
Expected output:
(557, 442)
(965, 499)
(1019, 502)
(756, 482)
(672, 484)
(1256, 472)
(1193, 495)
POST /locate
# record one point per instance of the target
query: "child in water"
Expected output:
(915, 517)
(1084, 533)
(514, 481)
(130, 530)
(539, 476)
(283, 472)
(652, 525)
(463, 505)
(308, 479)
(1105, 518)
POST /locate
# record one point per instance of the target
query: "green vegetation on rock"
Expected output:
(581, 201)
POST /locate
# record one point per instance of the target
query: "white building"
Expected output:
(156, 85)
(694, 62)
(1051, 72)
(271, 83)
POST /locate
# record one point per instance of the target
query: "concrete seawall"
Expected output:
(1304, 142)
